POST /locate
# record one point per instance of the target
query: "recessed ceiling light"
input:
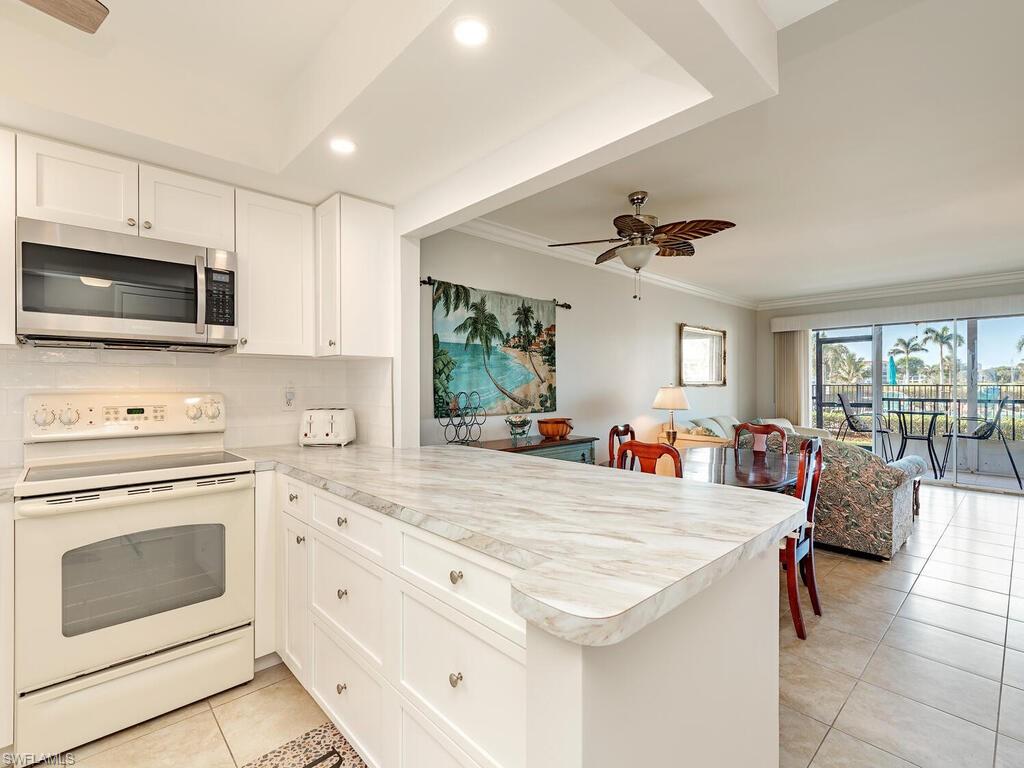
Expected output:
(471, 33)
(343, 146)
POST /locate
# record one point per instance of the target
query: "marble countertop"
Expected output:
(603, 552)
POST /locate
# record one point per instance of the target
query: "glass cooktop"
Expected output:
(87, 469)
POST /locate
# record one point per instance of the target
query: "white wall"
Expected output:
(612, 352)
(253, 388)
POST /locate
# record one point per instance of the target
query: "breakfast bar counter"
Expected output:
(650, 603)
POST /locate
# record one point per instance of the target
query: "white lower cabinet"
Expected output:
(293, 624)
(350, 693)
(418, 668)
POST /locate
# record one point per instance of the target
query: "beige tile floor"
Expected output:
(917, 662)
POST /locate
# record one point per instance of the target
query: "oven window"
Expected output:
(141, 574)
(67, 281)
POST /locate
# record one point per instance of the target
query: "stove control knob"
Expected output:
(212, 410)
(69, 416)
(193, 412)
(43, 417)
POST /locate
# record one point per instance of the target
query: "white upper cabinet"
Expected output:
(276, 309)
(355, 283)
(70, 185)
(186, 209)
(7, 268)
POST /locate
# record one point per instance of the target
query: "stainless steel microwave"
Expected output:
(86, 287)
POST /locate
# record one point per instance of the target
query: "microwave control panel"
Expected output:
(220, 297)
(92, 415)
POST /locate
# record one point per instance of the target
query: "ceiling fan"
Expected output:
(86, 15)
(640, 237)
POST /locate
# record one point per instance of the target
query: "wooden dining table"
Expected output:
(741, 467)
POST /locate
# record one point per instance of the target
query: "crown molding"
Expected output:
(931, 286)
(517, 238)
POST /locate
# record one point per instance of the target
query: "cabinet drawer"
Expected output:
(293, 497)
(358, 527)
(481, 589)
(471, 681)
(580, 452)
(350, 694)
(348, 594)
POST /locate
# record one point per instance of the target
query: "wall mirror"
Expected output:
(701, 356)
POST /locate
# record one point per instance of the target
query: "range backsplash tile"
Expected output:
(253, 388)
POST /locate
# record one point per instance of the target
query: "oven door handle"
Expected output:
(201, 295)
(43, 509)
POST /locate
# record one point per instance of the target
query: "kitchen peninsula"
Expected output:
(491, 609)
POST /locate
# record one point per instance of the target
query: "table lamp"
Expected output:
(671, 399)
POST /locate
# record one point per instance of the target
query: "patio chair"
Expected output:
(985, 430)
(854, 423)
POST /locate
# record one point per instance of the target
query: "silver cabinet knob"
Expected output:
(330, 342)
(454, 679)
(342, 593)
(293, 497)
(455, 576)
(341, 687)
(342, 521)
(147, 224)
(243, 341)
(131, 222)
(299, 539)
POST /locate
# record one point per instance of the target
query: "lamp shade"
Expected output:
(637, 256)
(671, 399)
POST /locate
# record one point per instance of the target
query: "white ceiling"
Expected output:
(893, 155)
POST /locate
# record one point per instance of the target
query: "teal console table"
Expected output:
(572, 448)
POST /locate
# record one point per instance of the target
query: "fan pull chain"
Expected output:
(637, 292)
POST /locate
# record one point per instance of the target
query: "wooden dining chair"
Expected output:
(615, 436)
(760, 433)
(648, 454)
(796, 553)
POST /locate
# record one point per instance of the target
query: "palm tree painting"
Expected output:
(502, 347)
(943, 338)
(908, 348)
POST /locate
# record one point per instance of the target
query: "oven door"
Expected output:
(74, 282)
(106, 576)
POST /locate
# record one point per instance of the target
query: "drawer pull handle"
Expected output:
(454, 679)
(583, 457)
(299, 539)
(341, 687)
(342, 521)
(342, 593)
(293, 497)
(455, 576)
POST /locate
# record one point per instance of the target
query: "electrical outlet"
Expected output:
(289, 398)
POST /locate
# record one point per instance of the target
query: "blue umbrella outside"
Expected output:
(892, 370)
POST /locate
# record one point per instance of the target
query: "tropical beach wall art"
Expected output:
(497, 344)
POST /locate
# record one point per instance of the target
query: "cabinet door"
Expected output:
(328, 277)
(292, 599)
(367, 278)
(6, 622)
(276, 302)
(7, 214)
(265, 618)
(70, 185)
(186, 209)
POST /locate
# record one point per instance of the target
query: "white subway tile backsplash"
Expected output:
(253, 388)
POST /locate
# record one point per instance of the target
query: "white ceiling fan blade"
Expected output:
(86, 15)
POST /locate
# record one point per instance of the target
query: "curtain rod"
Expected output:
(428, 280)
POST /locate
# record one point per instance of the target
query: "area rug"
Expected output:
(322, 747)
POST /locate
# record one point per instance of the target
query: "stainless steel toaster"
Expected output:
(327, 426)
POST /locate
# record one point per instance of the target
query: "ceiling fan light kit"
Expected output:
(641, 237)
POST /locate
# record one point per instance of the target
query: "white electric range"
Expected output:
(134, 546)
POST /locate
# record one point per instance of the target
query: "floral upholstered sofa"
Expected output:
(864, 504)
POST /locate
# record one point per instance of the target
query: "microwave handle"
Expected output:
(200, 295)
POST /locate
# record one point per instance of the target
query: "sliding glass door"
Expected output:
(842, 382)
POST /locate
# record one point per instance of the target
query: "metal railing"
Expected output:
(951, 400)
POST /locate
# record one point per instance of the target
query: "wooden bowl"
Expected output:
(554, 429)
